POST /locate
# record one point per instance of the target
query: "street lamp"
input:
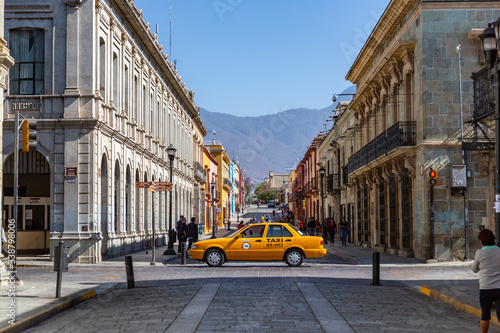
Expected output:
(321, 216)
(212, 188)
(490, 41)
(171, 156)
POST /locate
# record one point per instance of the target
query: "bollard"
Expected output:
(183, 253)
(130, 272)
(59, 259)
(376, 269)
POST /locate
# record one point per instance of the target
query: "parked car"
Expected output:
(260, 242)
(271, 204)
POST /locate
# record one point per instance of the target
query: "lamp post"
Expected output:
(334, 97)
(322, 215)
(490, 40)
(171, 156)
(299, 208)
(212, 188)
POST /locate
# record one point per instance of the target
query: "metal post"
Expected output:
(322, 215)
(153, 255)
(183, 253)
(170, 250)
(376, 268)
(59, 269)
(130, 272)
(464, 159)
(497, 152)
(432, 223)
(214, 212)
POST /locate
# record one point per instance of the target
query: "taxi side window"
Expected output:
(254, 232)
(278, 231)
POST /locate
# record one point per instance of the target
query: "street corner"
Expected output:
(57, 306)
(456, 303)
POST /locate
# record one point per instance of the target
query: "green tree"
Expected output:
(264, 192)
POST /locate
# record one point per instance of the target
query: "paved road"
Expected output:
(267, 297)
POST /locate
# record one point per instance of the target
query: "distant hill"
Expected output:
(272, 142)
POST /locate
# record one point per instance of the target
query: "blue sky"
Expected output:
(256, 57)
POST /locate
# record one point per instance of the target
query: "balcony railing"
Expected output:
(484, 94)
(199, 173)
(402, 133)
(228, 183)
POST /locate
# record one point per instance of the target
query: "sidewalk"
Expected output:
(35, 300)
(460, 294)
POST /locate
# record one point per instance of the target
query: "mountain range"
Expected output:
(274, 142)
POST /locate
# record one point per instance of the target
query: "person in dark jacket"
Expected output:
(181, 232)
(192, 232)
(311, 225)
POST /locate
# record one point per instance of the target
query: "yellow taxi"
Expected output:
(260, 242)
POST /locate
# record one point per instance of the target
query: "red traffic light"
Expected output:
(432, 177)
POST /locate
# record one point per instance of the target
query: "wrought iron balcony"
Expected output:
(402, 133)
(199, 173)
(228, 183)
(484, 94)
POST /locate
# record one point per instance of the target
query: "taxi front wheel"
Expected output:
(215, 258)
(294, 258)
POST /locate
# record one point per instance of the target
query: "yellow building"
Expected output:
(210, 169)
(224, 185)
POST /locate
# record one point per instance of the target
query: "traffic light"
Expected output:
(29, 134)
(26, 137)
(432, 177)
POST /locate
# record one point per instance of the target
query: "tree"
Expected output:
(265, 193)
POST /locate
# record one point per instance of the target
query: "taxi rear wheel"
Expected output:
(294, 257)
(214, 258)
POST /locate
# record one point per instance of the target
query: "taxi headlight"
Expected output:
(193, 246)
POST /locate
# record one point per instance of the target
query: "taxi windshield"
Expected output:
(232, 233)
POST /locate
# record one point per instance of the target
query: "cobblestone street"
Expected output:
(268, 297)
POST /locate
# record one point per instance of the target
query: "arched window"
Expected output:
(117, 198)
(102, 68)
(128, 203)
(27, 74)
(137, 205)
(115, 80)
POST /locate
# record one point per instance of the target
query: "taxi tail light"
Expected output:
(321, 243)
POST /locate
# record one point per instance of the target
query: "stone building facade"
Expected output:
(408, 121)
(108, 103)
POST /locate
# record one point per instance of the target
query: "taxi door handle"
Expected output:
(288, 240)
(258, 241)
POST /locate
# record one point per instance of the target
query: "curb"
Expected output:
(42, 315)
(342, 255)
(456, 303)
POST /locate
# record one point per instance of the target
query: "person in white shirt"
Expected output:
(487, 263)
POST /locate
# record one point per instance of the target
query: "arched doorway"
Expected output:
(33, 217)
(104, 206)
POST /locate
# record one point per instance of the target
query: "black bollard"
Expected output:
(376, 269)
(183, 253)
(59, 260)
(130, 272)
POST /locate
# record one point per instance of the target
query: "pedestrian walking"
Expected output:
(318, 227)
(181, 232)
(486, 262)
(192, 232)
(332, 230)
(311, 225)
(343, 231)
